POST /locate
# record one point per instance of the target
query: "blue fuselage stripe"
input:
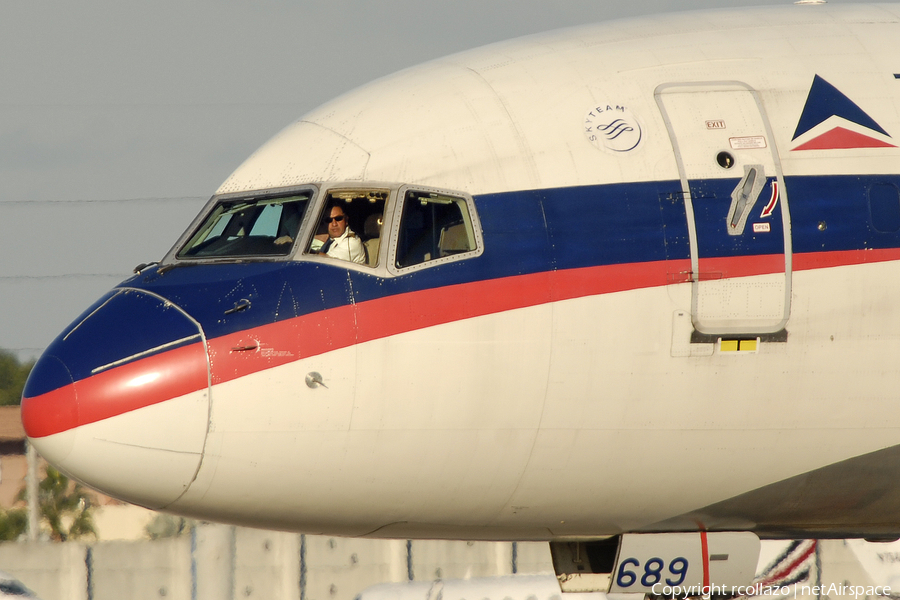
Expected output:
(538, 231)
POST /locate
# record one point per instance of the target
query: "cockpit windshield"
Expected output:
(249, 227)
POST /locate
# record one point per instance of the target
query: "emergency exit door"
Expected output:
(736, 207)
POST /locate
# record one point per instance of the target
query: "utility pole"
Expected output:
(31, 486)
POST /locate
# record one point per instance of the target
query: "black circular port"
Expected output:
(725, 160)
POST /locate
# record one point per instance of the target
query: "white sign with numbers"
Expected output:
(681, 564)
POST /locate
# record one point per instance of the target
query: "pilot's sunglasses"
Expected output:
(338, 218)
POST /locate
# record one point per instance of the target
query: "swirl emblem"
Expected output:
(613, 127)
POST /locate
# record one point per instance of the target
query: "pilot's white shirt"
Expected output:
(347, 247)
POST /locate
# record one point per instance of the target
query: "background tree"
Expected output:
(13, 374)
(13, 524)
(168, 526)
(65, 508)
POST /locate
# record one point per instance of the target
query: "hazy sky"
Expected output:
(119, 119)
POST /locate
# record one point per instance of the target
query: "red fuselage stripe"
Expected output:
(116, 391)
(184, 370)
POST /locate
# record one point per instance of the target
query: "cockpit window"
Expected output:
(249, 227)
(350, 225)
(433, 226)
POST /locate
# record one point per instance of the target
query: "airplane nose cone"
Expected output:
(120, 400)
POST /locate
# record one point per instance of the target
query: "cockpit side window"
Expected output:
(248, 227)
(350, 225)
(433, 226)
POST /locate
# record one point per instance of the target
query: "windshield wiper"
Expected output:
(143, 266)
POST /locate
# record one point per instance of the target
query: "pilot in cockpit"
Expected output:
(340, 241)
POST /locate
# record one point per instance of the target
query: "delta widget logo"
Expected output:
(833, 121)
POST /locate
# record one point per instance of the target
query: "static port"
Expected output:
(725, 160)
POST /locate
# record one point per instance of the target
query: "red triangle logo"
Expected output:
(842, 139)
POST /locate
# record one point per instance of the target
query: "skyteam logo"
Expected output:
(613, 127)
(831, 121)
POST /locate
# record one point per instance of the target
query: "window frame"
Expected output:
(390, 231)
(172, 258)
(397, 219)
(332, 189)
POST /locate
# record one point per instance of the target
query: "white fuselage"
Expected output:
(561, 380)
